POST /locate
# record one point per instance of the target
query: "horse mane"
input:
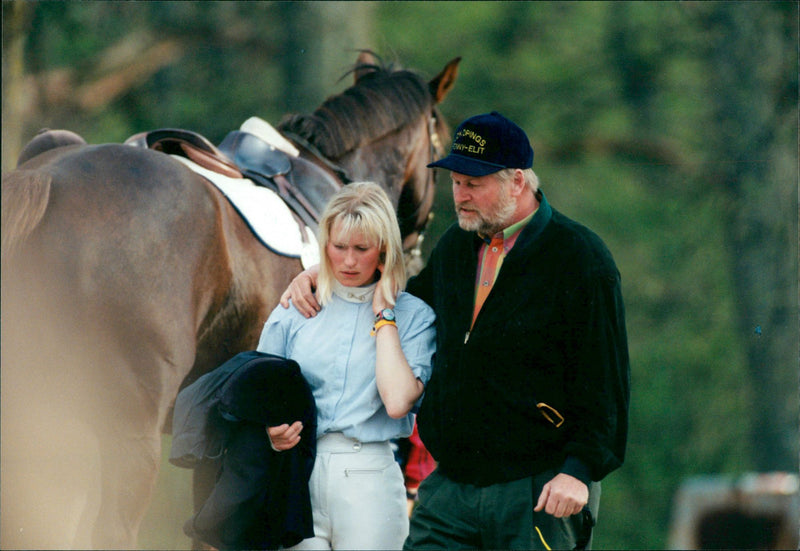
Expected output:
(384, 99)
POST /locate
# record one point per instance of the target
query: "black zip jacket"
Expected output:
(550, 336)
(261, 498)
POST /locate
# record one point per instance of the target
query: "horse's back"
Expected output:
(131, 245)
(112, 242)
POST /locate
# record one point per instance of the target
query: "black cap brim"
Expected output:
(466, 165)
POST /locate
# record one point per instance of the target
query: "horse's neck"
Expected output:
(388, 162)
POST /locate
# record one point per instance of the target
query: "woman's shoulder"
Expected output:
(286, 315)
(408, 303)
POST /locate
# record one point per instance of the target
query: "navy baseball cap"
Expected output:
(485, 144)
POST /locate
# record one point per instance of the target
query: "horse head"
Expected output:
(386, 127)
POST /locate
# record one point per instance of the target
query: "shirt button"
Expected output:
(357, 446)
(494, 249)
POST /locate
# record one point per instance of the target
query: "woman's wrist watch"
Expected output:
(384, 317)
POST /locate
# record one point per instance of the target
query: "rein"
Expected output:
(434, 149)
(338, 171)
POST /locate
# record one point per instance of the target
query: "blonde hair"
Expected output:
(363, 207)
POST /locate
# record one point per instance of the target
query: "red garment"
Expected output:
(420, 462)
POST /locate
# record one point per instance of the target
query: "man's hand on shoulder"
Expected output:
(301, 292)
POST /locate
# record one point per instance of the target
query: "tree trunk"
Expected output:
(15, 19)
(321, 43)
(760, 180)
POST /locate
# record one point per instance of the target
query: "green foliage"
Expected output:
(669, 128)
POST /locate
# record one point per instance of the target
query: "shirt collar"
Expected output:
(510, 231)
(354, 294)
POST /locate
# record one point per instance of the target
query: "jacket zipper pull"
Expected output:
(466, 337)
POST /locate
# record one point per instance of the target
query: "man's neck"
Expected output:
(526, 205)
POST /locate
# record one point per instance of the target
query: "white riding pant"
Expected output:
(358, 497)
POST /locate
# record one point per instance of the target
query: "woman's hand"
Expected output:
(379, 300)
(284, 437)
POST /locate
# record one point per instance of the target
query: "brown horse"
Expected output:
(123, 272)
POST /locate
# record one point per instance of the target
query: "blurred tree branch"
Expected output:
(59, 92)
(16, 17)
(131, 62)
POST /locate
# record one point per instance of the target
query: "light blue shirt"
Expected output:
(337, 357)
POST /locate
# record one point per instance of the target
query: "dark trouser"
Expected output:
(452, 515)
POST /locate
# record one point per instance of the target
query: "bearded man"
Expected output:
(527, 407)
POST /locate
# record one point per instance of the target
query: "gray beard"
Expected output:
(492, 222)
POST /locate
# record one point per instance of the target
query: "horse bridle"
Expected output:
(435, 148)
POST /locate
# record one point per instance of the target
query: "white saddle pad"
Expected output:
(266, 214)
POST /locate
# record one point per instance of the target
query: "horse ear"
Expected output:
(444, 81)
(365, 64)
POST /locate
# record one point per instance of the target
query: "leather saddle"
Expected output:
(303, 186)
(193, 146)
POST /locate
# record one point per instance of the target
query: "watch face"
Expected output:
(387, 314)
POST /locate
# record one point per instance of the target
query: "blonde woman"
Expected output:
(367, 356)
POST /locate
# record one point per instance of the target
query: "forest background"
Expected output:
(670, 128)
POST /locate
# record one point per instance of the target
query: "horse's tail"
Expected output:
(25, 195)
(26, 192)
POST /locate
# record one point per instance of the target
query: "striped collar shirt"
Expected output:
(490, 258)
